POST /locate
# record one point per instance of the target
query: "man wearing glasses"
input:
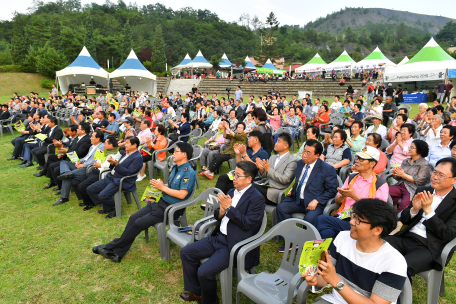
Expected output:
(359, 264)
(361, 184)
(179, 188)
(430, 220)
(315, 184)
(240, 216)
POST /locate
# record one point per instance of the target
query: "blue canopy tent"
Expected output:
(82, 69)
(133, 73)
(269, 65)
(225, 63)
(248, 64)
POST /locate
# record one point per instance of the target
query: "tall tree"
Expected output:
(126, 40)
(56, 36)
(89, 38)
(401, 31)
(158, 59)
(20, 41)
(447, 33)
(270, 47)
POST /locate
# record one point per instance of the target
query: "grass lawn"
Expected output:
(47, 258)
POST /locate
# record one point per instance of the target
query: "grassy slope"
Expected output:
(21, 83)
(46, 251)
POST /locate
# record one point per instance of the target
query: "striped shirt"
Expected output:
(382, 272)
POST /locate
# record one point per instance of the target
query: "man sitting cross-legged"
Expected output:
(430, 220)
(360, 265)
(70, 170)
(179, 188)
(278, 171)
(130, 163)
(364, 183)
(80, 183)
(315, 184)
(240, 216)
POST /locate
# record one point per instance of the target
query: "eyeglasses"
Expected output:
(358, 220)
(440, 175)
(306, 153)
(357, 158)
(236, 176)
(175, 151)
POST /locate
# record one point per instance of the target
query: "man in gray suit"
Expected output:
(277, 172)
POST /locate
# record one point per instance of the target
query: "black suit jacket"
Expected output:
(240, 114)
(245, 221)
(440, 229)
(57, 134)
(5, 115)
(82, 146)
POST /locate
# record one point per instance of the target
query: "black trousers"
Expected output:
(415, 251)
(202, 280)
(195, 123)
(218, 161)
(386, 120)
(39, 153)
(53, 172)
(81, 183)
(264, 191)
(18, 144)
(51, 159)
(148, 216)
(224, 183)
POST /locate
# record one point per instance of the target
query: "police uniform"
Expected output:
(182, 178)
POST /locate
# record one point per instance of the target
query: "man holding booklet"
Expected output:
(359, 263)
(179, 188)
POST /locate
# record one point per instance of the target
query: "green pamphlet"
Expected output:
(347, 115)
(135, 113)
(310, 255)
(73, 156)
(346, 214)
(151, 195)
(19, 127)
(41, 136)
(103, 155)
(121, 136)
(290, 187)
(230, 175)
(58, 153)
(143, 148)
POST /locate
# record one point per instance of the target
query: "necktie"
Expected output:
(301, 182)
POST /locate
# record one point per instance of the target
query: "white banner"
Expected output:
(415, 76)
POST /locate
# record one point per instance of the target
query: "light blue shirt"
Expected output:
(117, 114)
(237, 94)
(113, 126)
(437, 152)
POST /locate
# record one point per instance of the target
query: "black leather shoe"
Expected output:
(189, 296)
(27, 164)
(111, 214)
(58, 193)
(102, 211)
(38, 174)
(109, 254)
(50, 185)
(12, 158)
(95, 249)
(22, 162)
(82, 205)
(56, 189)
(60, 201)
(40, 168)
(65, 175)
(88, 207)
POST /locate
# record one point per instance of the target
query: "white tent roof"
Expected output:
(343, 62)
(199, 62)
(376, 59)
(315, 64)
(136, 75)
(269, 65)
(184, 62)
(430, 63)
(403, 61)
(82, 69)
(225, 62)
(249, 64)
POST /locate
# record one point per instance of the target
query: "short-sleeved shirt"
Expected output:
(261, 154)
(182, 178)
(398, 154)
(449, 87)
(382, 272)
(113, 126)
(441, 87)
(390, 106)
(237, 94)
(335, 156)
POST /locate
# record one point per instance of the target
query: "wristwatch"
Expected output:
(227, 209)
(339, 286)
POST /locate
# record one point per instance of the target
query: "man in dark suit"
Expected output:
(430, 220)
(55, 133)
(130, 163)
(81, 145)
(46, 127)
(19, 141)
(239, 110)
(5, 114)
(240, 216)
(315, 184)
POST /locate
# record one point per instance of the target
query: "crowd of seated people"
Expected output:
(420, 152)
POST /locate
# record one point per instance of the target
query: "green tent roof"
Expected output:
(376, 54)
(316, 60)
(344, 57)
(431, 52)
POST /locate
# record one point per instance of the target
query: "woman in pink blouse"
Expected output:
(274, 119)
(400, 147)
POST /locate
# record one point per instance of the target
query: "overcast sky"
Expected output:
(288, 12)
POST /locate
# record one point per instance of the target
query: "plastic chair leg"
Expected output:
(168, 250)
(135, 196)
(128, 197)
(197, 182)
(226, 286)
(161, 235)
(118, 203)
(183, 220)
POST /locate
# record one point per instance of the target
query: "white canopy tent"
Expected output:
(133, 73)
(343, 62)
(199, 62)
(184, 63)
(376, 59)
(248, 64)
(430, 63)
(403, 61)
(316, 64)
(82, 69)
(225, 62)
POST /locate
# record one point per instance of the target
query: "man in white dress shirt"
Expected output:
(377, 127)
